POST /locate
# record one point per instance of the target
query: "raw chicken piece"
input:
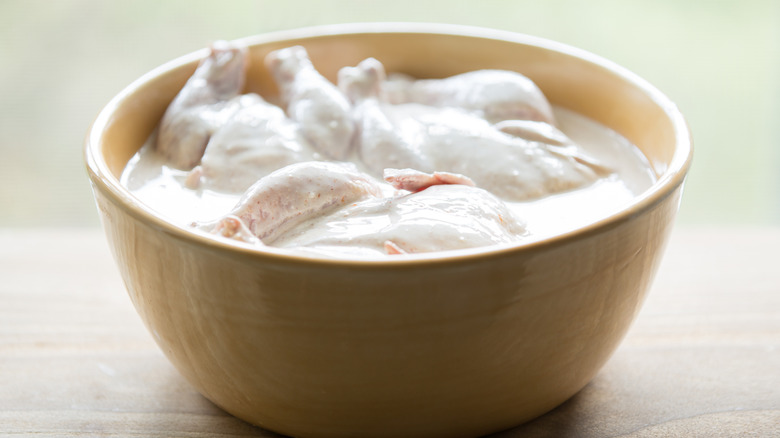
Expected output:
(439, 218)
(294, 194)
(497, 94)
(321, 109)
(256, 141)
(515, 159)
(203, 104)
(380, 143)
(510, 167)
(414, 180)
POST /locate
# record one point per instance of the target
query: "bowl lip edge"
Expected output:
(672, 177)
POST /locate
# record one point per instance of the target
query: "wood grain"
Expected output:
(702, 359)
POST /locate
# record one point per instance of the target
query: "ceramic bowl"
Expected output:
(447, 344)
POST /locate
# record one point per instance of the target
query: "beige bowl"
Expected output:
(449, 344)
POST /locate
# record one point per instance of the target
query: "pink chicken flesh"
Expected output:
(414, 180)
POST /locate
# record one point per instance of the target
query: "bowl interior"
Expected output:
(570, 78)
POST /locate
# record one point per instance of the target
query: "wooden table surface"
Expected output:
(702, 359)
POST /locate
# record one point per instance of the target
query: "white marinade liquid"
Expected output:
(162, 189)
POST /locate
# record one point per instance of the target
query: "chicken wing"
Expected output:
(414, 180)
(438, 218)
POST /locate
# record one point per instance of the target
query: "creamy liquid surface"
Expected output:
(162, 189)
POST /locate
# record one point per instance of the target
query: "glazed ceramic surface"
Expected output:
(448, 344)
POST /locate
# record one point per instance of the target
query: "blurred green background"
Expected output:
(61, 61)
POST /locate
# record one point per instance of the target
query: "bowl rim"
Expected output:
(672, 176)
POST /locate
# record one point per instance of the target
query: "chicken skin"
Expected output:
(206, 102)
(294, 194)
(495, 94)
(294, 205)
(439, 218)
(322, 111)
